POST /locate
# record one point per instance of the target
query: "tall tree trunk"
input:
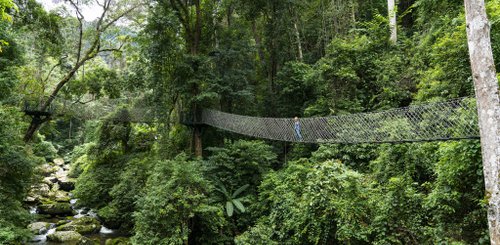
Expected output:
(258, 43)
(216, 24)
(293, 14)
(34, 126)
(197, 27)
(198, 148)
(486, 86)
(273, 53)
(299, 43)
(229, 14)
(353, 14)
(392, 20)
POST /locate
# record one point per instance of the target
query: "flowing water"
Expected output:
(41, 239)
(104, 233)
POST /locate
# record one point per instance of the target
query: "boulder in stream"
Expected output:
(56, 208)
(70, 237)
(63, 222)
(59, 161)
(37, 192)
(61, 196)
(49, 181)
(41, 189)
(66, 184)
(84, 225)
(30, 199)
(39, 228)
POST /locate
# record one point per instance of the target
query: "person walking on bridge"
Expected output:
(296, 126)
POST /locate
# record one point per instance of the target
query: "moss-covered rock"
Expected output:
(39, 190)
(66, 184)
(56, 208)
(63, 222)
(50, 180)
(59, 161)
(38, 228)
(88, 241)
(61, 196)
(47, 169)
(70, 237)
(83, 225)
(118, 241)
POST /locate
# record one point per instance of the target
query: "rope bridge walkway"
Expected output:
(453, 119)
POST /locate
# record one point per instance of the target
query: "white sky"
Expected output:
(89, 12)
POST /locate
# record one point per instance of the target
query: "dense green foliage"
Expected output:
(16, 169)
(280, 58)
(176, 204)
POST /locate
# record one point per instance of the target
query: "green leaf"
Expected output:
(239, 205)
(222, 190)
(240, 190)
(229, 208)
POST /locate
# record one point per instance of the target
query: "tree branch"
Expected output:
(80, 17)
(105, 9)
(112, 21)
(51, 70)
(83, 102)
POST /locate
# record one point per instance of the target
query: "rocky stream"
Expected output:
(58, 218)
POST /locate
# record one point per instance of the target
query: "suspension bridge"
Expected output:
(449, 120)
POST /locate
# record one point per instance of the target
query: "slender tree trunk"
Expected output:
(296, 31)
(198, 148)
(392, 20)
(229, 14)
(258, 42)
(353, 15)
(486, 87)
(216, 24)
(273, 53)
(197, 28)
(299, 43)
